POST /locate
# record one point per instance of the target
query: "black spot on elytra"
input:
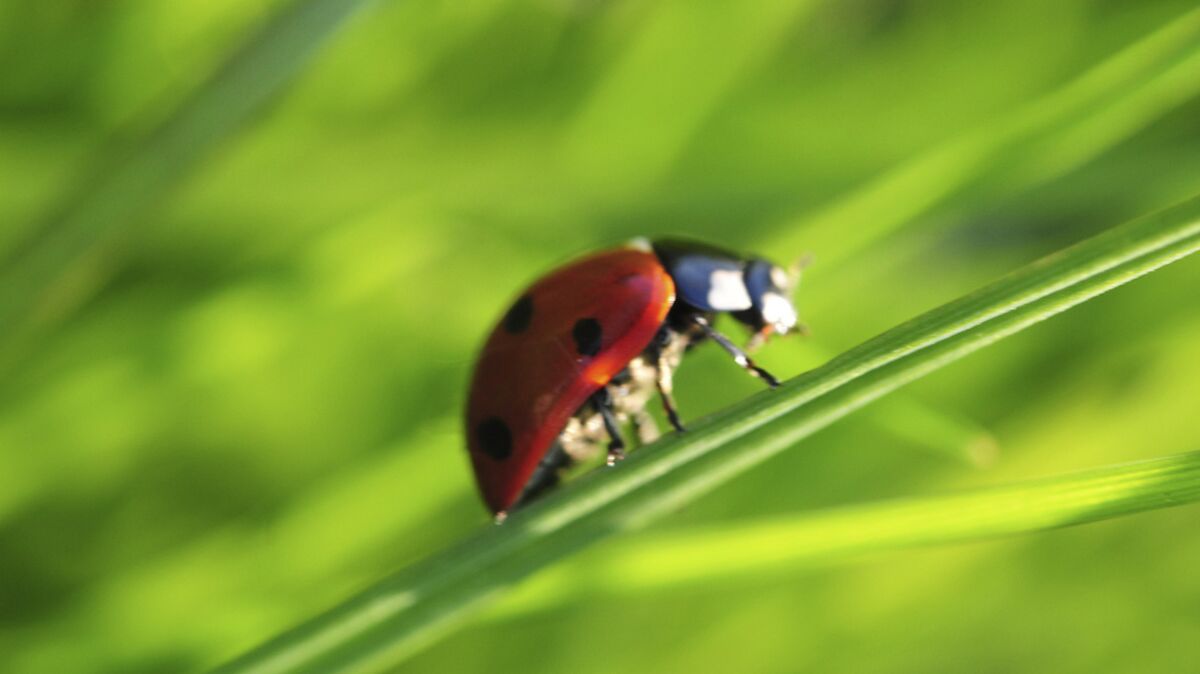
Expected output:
(587, 334)
(494, 438)
(519, 316)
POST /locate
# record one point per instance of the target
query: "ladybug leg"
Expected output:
(544, 478)
(664, 367)
(663, 381)
(602, 400)
(739, 356)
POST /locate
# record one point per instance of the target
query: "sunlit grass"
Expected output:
(68, 256)
(235, 347)
(663, 560)
(383, 626)
(1041, 139)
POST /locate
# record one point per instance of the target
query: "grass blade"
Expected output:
(391, 620)
(65, 258)
(1044, 138)
(669, 559)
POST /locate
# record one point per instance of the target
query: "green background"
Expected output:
(250, 410)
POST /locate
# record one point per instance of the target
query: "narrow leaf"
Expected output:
(390, 621)
(1045, 137)
(667, 559)
(70, 254)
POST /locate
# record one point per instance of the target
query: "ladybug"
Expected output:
(581, 351)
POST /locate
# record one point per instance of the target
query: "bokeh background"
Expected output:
(250, 410)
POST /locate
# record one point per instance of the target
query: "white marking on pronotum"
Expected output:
(727, 290)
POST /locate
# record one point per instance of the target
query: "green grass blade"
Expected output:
(1044, 138)
(68, 256)
(391, 620)
(930, 429)
(667, 559)
(649, 77)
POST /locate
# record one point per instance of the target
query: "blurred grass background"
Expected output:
(252, 411)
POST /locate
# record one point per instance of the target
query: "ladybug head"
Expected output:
(771, 310)
(753, 290)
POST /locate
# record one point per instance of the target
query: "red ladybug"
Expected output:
(584, 348)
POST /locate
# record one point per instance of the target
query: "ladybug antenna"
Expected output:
(793, 271)
(798, 265)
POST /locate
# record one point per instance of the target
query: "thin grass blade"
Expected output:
(1042, 139)
(687, 558)
(70, 254)
(390, 621)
